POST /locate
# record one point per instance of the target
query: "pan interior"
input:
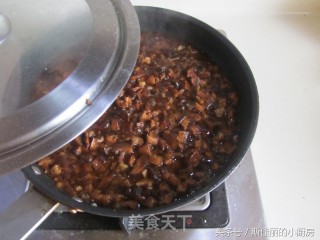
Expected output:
(213, 43)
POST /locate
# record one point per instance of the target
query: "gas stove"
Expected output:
(232, 211)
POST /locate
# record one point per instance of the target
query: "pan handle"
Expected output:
(20, 219)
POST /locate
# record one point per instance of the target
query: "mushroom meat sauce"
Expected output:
(171, 129)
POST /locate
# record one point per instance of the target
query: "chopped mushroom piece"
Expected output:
(111, 139)
(153, 138)
(146, 149)
(145, 182)
(122, 147)
(195, 158)
(156, 160)
(136, 141)
(150, 202)
(219, 112)
(140, 165)
(183, 136)
(185, 121)
(115, 124)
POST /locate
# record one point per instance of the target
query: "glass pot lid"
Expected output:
(62, 64)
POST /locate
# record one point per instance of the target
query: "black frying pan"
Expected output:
(233, 64)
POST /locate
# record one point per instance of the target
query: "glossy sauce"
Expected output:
(170, 130)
